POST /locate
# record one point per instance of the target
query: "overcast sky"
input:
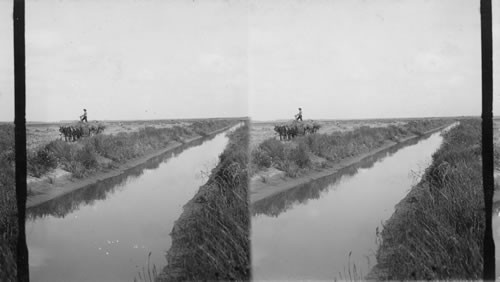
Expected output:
(364, 59)
(136, 59)
(148, 59)
(6, 62)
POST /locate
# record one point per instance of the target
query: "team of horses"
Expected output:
(288, 131)
(74, 132)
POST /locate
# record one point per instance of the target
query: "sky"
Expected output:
(6, 62)
(155, 59)
(364, 59)
(135, 59)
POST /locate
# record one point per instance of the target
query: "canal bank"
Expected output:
(210, 240)
(326, 229)
(112, 230)
(61, 183)
(436, 231)
(276, 182)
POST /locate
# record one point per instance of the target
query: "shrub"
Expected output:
(60, 149)
(299, 155)
(40, 162)
(261, 158)
(274, 149)
(86, 157)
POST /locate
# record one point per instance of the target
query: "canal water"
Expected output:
(105, 232)
(326, 229)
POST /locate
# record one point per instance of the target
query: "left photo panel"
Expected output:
(137, 137)
(8, 206)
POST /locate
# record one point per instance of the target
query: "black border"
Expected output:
(20, 136)
(487, 137)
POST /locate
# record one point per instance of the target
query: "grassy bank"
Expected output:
(104, 151)
(437, 230)
(318, 151)
(8, 206)
(210, 240)
(279, 203)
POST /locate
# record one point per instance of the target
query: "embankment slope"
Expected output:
(210, 240)
(100, 157)
(436, 231)
(278, 167)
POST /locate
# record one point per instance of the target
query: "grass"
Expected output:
(82, 158)
(148, 273)
(210, 241)
(351, 272)
(8, 206)
(295, 157)
(437, 230)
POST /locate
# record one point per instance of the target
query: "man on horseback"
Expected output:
(84, 116)
(299, 115)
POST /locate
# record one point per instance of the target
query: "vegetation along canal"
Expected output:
(326, 229)
(105, 232)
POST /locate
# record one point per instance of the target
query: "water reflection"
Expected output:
(68, 203)
(281, 202)
(106, 231)
(309, 232)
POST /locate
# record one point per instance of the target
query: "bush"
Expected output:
(299, 155)
(261, 158)
(60, 149)
(87, 157)
(274, 149)
(40, 162)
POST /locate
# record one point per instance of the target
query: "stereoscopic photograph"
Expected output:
(222, 140)
(136, 140)
(365, 151)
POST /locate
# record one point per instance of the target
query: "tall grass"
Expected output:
(437, 230)
(210, 241)
(351, 272)
(8, 206)
(148, 273)
(81, 158)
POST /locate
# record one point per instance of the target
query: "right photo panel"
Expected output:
(365, 141)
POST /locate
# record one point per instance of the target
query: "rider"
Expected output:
(299, 115)
(84, 116)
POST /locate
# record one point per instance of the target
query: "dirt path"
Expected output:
(45, 190)
(277, 182)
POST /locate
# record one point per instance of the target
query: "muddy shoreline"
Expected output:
(47, 191)
(262, 190)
